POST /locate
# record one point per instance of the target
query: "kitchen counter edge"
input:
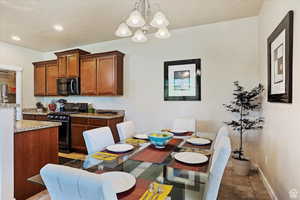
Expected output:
(31, 125)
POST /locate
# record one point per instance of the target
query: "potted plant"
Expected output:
(244, 104)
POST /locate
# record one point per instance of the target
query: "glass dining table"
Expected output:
(187, 184)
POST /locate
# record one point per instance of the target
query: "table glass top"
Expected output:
(187, 184)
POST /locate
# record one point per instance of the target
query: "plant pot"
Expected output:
(241, 167)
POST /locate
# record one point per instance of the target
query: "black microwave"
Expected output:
(68, 86)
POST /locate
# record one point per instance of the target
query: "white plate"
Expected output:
(178, 131)
(191, 158)
(120, 181)
(141, 136)
(198, 141)
(119, 148)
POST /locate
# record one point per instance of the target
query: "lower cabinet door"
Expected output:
(78, 143)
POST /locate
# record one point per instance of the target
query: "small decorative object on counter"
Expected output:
(40, 107)
(91, 109)
(61, 104)
(52, 106)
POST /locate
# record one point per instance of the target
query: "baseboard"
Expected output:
(267, 184)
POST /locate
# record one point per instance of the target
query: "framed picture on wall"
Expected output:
(280, 61)
(182, 80)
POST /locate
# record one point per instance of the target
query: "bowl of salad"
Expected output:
(160, 140)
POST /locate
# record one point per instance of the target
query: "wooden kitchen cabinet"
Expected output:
(40, 80)
(78, 143)
(106, 76)
(51, 77)
(35, 117)
(88, 77)
(62, 66)
(45, 74)
(102, 74)
(81, 124)
(32, 151)
(69, 62)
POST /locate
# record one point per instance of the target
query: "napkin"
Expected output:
(135, 141)
(105, 156)
(154, 195)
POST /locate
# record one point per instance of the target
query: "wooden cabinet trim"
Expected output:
(72, 51)
(104, 54)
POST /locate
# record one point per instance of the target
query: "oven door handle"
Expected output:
(71, 86)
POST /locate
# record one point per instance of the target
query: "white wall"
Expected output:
(21, 57)
(278, 147)
(228, 51)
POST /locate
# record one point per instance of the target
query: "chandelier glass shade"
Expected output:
(139, 22)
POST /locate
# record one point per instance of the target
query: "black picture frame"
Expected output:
(287, 25)
(197, 97)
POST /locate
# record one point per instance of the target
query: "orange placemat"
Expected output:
(154, 155)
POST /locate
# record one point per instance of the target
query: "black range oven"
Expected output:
(65, 134)
(64, 130)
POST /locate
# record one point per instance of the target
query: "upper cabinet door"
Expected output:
(40, 80)
(73, 65)
(62, 66)
(51, 76)
(106, 76)
(88, 76)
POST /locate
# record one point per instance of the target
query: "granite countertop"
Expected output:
(32, 111)
(30, 125)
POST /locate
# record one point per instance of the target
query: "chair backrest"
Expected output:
(126, 130)
(65, 183)
(97, 139)
(222, 133)
(216, 171)
(185, 124)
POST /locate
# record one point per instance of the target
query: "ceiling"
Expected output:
(91, 21)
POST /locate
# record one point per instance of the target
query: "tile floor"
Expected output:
(233, 187)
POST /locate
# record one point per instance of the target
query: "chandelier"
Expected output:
(139, 22)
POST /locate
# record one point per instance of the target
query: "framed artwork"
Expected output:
(280, 61)
(182, 80)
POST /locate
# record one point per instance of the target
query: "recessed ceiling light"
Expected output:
(15, 38)
(58, 27)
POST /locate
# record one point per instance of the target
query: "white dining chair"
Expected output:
(126, 130)
(216, 171)
(222, 133)
(97, 139)
(185, 124)
(66, 183)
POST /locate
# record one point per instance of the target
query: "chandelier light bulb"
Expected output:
(162, 33)
(136, 19)
(139, 36)
(159, 20)
(123, 31)
(139, 23)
